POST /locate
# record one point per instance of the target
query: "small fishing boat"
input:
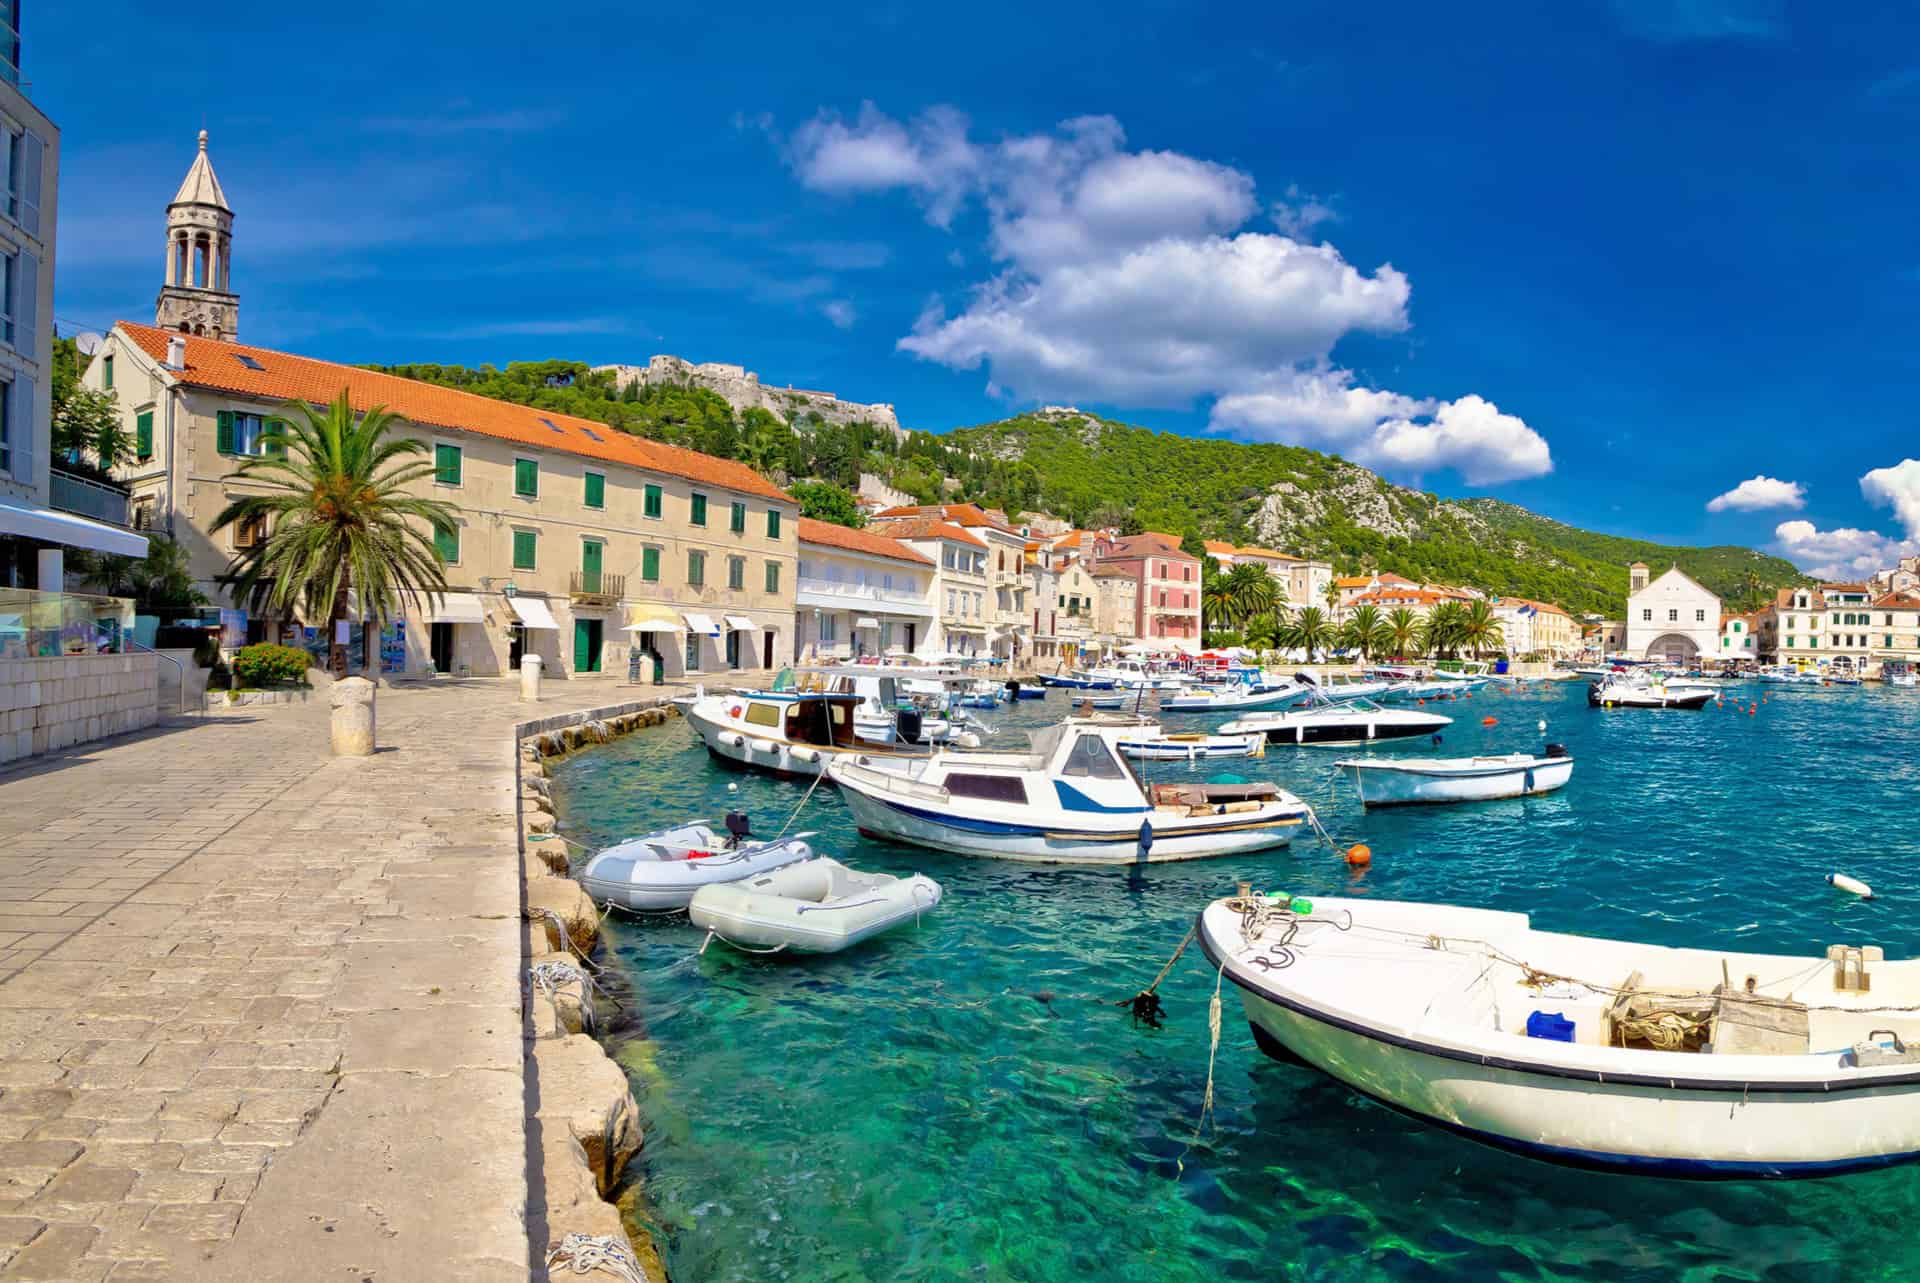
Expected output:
(1102, 701)
(1405, 780)
(819, 906)
(1894, 674)
(1619, 693)
(1589, 1052)
(1151, 744)
(1071, 800)
(1078, 681)
(1349, 721)
(1026, 690)
(1222, 699)
(790, 733)
(661, 871)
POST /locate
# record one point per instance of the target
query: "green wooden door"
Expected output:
(590, 553)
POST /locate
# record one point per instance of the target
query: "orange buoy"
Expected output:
(1489, 721)
(1753, 710)
(1359, 855)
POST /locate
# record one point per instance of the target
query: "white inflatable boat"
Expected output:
(661, 871)
(820, 906)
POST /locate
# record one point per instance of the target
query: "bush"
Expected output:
(266, 664)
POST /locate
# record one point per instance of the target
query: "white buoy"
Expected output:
(1855, 885)
(732, 787)
(1543, 724)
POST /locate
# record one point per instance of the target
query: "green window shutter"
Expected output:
(739, 523)
(523, 548)
(447, 544)
(736, 572)
(143, 434)
(650, 565)
(596, 490)
(446, 464)
(699, 517)
(773, 576)
(277, 446)
(526, 477)
(696, 569)
(590, 559)
(652, 508)
(106, 372)
(773, 523)
(223, 431)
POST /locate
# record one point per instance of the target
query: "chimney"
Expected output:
(177, 353)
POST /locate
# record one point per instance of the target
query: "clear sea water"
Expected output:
(962, 1101)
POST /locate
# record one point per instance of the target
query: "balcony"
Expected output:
(85, 497)
(841, 594)
(595, 588)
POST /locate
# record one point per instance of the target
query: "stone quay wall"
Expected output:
(53, 703)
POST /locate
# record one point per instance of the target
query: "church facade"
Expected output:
(1673, 618)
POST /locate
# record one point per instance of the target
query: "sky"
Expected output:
(1644, 266)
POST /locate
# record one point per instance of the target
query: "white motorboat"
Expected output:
(661, 871)
(820, 906)
(1618, 692)
(1787, 675)
(1396, 781)
(1131, 674)
(1152, 744)
(787, 733)
(1594, 1053)
(1070, 800)
(1222, 699)
(1350, 721)
(1900, 675)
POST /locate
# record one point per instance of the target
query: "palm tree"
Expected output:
(1440, 633)
(1263, 632)
(164, 577)
(1480, 629)
(338, 519)
(1366, 631)
(1235, 597)
(1402, 627)
(1308, 630)
(1753, 591)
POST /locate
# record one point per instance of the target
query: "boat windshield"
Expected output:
(1090, 758)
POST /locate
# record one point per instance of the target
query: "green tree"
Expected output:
(1366, 631)
(1403, 626)
(161, 579)
(1233, 598)
(1480, 630)
(338, 519)
(1309, 630)
(824, 501)
(1442, 633)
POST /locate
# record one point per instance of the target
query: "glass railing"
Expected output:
(52, 625)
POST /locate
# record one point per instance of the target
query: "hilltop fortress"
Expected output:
(743, 391)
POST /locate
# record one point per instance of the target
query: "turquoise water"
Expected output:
(960, 1102)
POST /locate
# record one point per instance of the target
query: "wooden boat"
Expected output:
(1071, 800)
(1595, 1053)
(1398, 781)
(661, 871)
(1350, 721)
(820, 906)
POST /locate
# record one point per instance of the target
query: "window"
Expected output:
(446, 464)
(992, 788)
(447, 544)
(143, 435)
(699, 515)
(526, 478)
(763, 714)
(6, 423)
(773, 523)
(1646, 616)
(106, 372)
(523, 549)
(739, 523)
(773, 576)
(650, 565)
(596, 490)
(696, 569)
(1673, 616)
(950, 601)
(1790, 641)
(1699, 616)
(236, 433)
(250, 532)
(142, 508)
(1063, 599)
(736, 573)
(1091, 759)
(650, 505)
(9, 277)
(829, 628)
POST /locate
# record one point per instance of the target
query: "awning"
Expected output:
(866, 621)
(740, 623)
(24, 517)
(653, 619)
(532, 612)
(456, 608)
(700, 624)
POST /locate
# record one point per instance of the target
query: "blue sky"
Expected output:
(1607, 260)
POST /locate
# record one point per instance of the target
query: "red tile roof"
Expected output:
(828, 535)
(214, 364)
(960, 514)
(1898, 600)
(926, 528)
(1152, 543)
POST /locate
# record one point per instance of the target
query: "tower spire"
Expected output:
(196, 294)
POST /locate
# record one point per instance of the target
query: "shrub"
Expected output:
(266, 664)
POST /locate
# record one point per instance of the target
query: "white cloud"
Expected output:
(1758, 493)
(1124, 277)
(1843, 554)
(839, 311)
(1897, 487)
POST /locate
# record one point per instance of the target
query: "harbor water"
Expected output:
(964, 1100)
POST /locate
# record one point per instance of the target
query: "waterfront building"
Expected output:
(1536, 627)
(1840, 625)
(1009, 631)
(961, 585)
(1302, 581)
(1739, 638)
(1065, 603)
(859, 593)
(1167, 587)
(1116, 606)
(1672, 618)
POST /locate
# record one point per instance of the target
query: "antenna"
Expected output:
(88, 343)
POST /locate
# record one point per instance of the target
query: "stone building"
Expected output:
(860, 593)
(962, 584)
(1672, 618)
(197, 295)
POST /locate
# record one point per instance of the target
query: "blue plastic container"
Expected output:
(1550, 1025)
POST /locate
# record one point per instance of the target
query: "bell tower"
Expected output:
(197, 297)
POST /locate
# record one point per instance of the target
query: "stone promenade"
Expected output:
(260, 1011)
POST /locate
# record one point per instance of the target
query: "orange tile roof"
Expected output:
(1898, 600)
(1152, 543)
(960, 514)
(1268, 552)
(1845, 588)
(214, 364)
(1354, 581)
(1219, 546)
(926, 528)
(828, 535)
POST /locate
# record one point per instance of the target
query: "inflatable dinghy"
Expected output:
(661, 871)
(820, 906)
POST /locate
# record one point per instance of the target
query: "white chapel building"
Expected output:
(1671, 618)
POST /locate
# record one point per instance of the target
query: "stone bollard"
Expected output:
(352, 700)
(530, 678)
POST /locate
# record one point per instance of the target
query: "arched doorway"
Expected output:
(1673, 648)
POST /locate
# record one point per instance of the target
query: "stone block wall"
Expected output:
(50, 704)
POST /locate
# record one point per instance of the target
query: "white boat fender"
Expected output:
(801, 753)
(732, 739)
(1854, 885)
(765, 746)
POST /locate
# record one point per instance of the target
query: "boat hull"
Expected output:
(1388, 787)
(1683, 699)
(760, 749)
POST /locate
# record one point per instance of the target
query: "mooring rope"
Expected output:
(1146, 1004)
(606, 1253)
(803, 803)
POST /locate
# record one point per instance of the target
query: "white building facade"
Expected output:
(1672, 618)
(860, 594)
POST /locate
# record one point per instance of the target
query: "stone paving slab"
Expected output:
(260, 1007)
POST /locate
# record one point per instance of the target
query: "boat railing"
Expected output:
(895, 783)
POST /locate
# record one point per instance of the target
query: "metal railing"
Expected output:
(85, 497)
(180, 701)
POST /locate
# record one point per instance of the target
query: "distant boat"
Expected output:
(1618, 693)
(1350, 721)
(1398, 781)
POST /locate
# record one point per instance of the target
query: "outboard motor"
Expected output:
(1557, 750)
(739, 828)
(908, 723)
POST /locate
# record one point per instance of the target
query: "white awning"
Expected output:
(866, 621)
(532, 612)
(740, 623)
(700, 624)
(24, 517)
(456, 608)
(653, 619)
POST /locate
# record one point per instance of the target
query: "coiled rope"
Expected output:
(606, 1253)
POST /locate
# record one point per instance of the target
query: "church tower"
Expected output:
(197, 297)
